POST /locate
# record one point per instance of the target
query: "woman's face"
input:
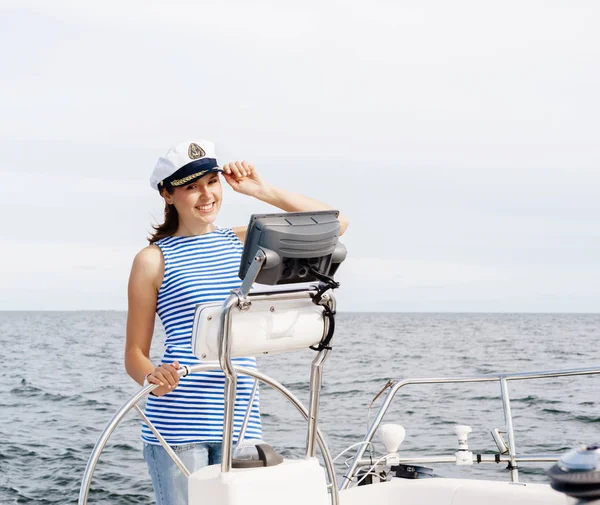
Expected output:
(198, 202)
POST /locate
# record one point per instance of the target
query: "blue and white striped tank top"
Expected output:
(198, 269)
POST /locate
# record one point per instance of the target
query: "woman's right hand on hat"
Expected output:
(165, 376)
(243, 178)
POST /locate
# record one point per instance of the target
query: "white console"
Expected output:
(293, 482)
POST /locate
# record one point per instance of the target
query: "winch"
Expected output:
(577, 474)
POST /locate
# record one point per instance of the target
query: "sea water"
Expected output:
(62, 379)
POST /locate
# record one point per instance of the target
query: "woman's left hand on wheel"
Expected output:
(165, 376)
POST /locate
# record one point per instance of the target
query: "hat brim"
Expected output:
(191, 172)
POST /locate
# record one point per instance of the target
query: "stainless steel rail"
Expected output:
(512, 451)
(316, 380)
(477, 459)
(501, 378)
(162, 441)
(244, 427)
(230, 379)
(137, 397)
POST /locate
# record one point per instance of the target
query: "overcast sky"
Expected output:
(461, 139)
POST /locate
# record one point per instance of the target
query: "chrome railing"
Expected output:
(502, 378)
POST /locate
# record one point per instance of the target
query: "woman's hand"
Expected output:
(244, 179)
(166, 377)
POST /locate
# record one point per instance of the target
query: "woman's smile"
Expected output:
(206, 208)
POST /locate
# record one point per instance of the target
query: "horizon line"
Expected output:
(349, 311)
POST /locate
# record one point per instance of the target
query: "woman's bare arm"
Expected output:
(144, 282)
(244, 178)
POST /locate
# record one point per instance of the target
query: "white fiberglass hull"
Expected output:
(439, 491)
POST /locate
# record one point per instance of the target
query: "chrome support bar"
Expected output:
(477, 458)
(120, 414)
(512, 451)
(537, 458)
(252, 273)
(398, 384)
(230, 388)
(242, 434)
(347, 478)
(409, 461)
(163, 442)
(316, 376)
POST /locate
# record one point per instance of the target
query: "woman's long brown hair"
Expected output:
(170, 225)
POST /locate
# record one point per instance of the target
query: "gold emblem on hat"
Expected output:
(195, 151)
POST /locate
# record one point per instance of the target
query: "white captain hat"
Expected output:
(184, 164)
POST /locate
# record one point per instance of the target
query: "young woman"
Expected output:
(190, 261)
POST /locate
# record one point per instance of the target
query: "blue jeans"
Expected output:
(170, 485)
